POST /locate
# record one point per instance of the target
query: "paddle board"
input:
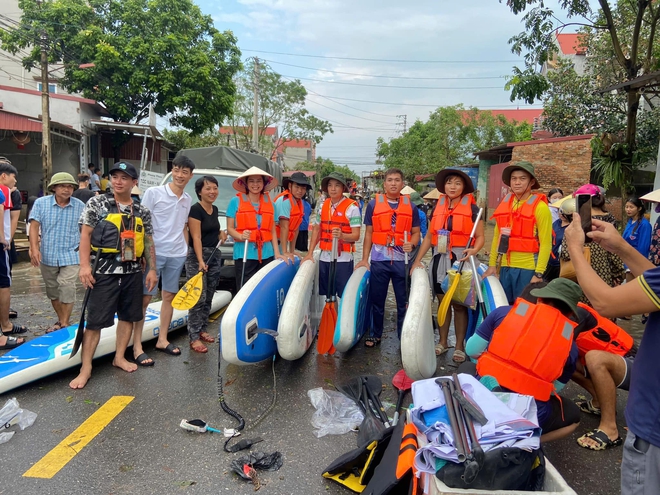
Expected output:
(494, 295)
(301, 312)
(354, 315)
(49, 354)
(256, 308)
(417, 339)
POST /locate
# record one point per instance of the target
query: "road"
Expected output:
(143, 449)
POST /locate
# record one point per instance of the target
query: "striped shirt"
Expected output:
(60, 234)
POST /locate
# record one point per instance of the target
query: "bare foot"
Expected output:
(124, 365)
(81, 380)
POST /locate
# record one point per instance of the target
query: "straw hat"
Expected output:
(435, 194)
(135, 191)
(240, 183)
(653, 196)
(407, 190)
(557, 204)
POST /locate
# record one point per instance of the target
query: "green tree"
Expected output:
(449, 137)
(281, 104)
(183, 139)
(324, 166)
(164, 53)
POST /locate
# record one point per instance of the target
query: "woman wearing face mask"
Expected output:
(555, 194)
(450, 227)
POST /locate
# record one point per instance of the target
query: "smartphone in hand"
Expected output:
(583, 207)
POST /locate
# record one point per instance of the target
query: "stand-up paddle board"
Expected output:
(301, 312)
(494, 295)
(354, 315)
(249, 326)
(417, 339)
(50, 353)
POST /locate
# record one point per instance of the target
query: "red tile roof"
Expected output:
(521, 114)
(225, 129)
(296, 143)
(569, 43)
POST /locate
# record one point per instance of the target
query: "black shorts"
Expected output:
(121, 294)
(251, 267)
(302, 242)
(571, 414)
(5, 270)
(343, 273)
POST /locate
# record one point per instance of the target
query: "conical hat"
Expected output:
(135, 191)
(557, 204)
(240, 183)
(653, 196)
(435, 194)
(407, 190)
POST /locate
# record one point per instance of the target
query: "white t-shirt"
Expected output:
(169, 215)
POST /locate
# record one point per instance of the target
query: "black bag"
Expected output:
(507, 468)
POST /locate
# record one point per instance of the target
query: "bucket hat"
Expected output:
(563, 290)
(62, 178)
(441, 178)
(525, 166)
(416, 199)
(336, 176)
(127, 168)
(240, 183)
(298, 178)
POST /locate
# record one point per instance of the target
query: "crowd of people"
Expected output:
(563, 295)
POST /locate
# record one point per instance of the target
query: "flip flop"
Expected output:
(142, 358)
(600, 437)
(588, 407)
(170, 349)
(459, 357)
(372, 341)
(15, 329)
(57, 326)
(11, 343)
(440, 349)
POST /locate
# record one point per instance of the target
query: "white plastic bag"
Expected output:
(11, 414)
(335, 413)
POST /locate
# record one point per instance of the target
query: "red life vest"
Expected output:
(461, 220)
(246, 219)
(295, 215)
(331, 220)
(381, 221)
(607, 336)
(528, 350)
(522, 222)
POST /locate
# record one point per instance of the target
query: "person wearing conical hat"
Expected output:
(522, 241)
(338, 217)
(251, 217)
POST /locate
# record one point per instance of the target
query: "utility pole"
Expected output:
(405, 122)
(46, 150)
(255, 116)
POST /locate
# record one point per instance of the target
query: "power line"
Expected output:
(386, 77)
(392, 87)
(386, 60)
(349, 114)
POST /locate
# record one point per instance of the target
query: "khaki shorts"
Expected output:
(60, 282)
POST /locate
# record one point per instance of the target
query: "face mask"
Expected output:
(552, 201)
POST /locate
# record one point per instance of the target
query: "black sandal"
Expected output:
(372, 342)
(15, 329)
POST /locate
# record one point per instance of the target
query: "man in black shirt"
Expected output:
(83, 193)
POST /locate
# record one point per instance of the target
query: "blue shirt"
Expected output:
(60, 233)
(308, 211)
(556, 242)
(253, 253)
(423, 226)
(386, 253)
(638, 235)
(643, 408)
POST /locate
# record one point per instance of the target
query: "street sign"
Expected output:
(149, 179)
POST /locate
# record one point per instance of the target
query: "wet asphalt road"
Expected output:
(143, 450)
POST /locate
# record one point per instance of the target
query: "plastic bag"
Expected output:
(335, 413)
(11, 414)
(465, 291)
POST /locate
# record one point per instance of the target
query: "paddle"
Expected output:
(329, 315)
(189, 294)
(477, 287)
(81, 325)
(446, 299)
(402, 383)
(245, 250)
(405, 257)
(373, 386)
(371, 428)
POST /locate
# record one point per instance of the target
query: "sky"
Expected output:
(424, 54)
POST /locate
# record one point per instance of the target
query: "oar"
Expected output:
(405, 257)
(189, 294)
(329, 315)
(477, 288)
(402, 383)
(371, 428)
(81, 325)
(245, 250)
(446, 299)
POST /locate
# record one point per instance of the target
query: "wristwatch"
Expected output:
(538, 274)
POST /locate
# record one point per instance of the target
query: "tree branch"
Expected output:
(641, 6)
(616, 44)
(593, 26)
(655, 17)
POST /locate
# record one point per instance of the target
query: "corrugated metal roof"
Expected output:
(16, 122)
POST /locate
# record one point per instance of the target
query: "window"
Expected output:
(52, 87)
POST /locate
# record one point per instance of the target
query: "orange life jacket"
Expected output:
(607, 336)
(331, 220)
(528, 349)
(295, 215)
(407, 450)
(461, 223)
(381, 220)
(246, 219)
(522, 222)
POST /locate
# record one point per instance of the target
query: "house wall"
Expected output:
(293, 156)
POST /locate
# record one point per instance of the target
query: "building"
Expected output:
(568, 46)
(290, 152)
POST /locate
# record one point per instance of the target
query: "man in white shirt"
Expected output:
(169, 206)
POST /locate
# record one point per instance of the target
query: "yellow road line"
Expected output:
(56, 459)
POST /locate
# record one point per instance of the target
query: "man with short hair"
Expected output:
(393, 229)
(118, 230)
(7, 181)
(83, 193)
(94, 178)
(289, 210)
(169, 205)
(522, 241)
(57, 216)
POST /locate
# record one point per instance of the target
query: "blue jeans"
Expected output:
(381, 274)
(514, 280)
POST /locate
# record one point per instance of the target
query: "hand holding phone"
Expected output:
(583, 207)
